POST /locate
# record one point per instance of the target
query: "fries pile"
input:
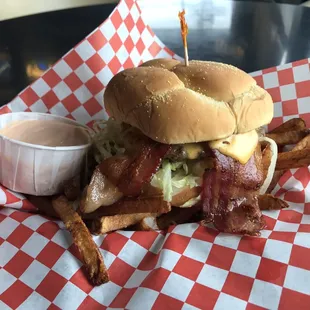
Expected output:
(292, 132)
(152, 212)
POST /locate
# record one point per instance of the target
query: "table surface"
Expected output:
(250, 35)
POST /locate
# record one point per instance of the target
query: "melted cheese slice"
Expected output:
(240, 147)
(193, 150)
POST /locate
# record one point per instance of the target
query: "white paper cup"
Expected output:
(35, 169)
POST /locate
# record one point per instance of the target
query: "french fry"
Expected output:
(177, 216)
(269, 202)
(266, 159)
(107, 224)
(82, 238)
(132, 205)
(303, 144)
(293, 124)
(288, 137)
(146, 224)
(185, 195)
(275, 179)
(293, 159)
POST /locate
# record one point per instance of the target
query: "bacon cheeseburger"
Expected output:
(190, 134)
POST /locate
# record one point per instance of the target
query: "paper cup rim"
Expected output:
(43, 147)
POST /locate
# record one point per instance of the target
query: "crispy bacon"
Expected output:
(114, 167)
(129, 173)
(230, 193)
(142, 168)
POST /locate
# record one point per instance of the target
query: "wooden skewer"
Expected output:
(184, 32)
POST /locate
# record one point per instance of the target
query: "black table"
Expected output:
(250, 35)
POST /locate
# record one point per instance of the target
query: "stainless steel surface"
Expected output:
(250, 35)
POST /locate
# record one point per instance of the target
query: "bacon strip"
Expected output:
(131, 174)
(142, 168)
(230, 192)
(114, 167)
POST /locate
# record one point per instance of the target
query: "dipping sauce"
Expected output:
(46, 132)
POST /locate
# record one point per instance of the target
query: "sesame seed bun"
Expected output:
(172, 103)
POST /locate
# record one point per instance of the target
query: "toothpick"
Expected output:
(184, 32)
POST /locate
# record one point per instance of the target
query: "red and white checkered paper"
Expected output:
(188, 267)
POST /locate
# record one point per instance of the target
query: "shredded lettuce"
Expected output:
(107, 141)
(176, 165)
(172, 178)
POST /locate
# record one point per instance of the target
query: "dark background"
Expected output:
(259, 35)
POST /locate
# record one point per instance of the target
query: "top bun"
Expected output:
(172, 103)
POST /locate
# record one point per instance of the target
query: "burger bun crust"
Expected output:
(173, 103)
